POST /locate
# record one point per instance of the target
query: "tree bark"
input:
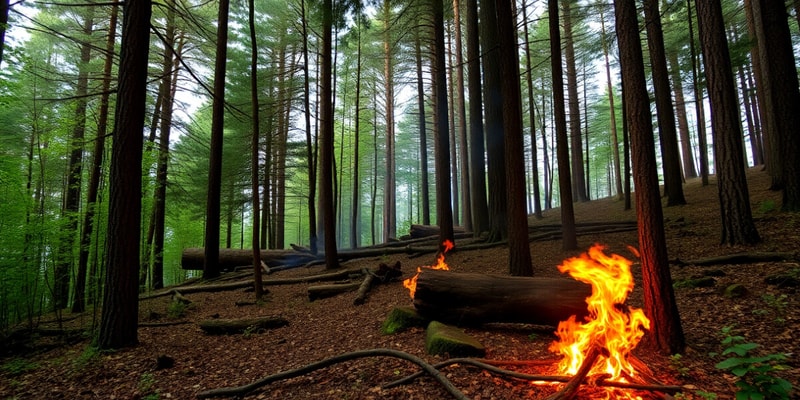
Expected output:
(666, 333)
(577, 173)
(612, 109)
(537, 202)
(235, 326)
(477, 159)
(310, 159)
(423, 135)
(569, 240)
(689, 171)
(254, 178)
(673, 182)
(698, 103)
(474, 299)
(466, 200)
(326, 140)
(736, 218)
(444, 212)
(389, 195)
(119, 317)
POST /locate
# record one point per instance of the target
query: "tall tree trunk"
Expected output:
(578, 174)
(537, 202)
(257, 280)
(612, 108)
(461, 109)
(666, 333)
(444, 212)
(326, 140)
(78, 301)
(120, 312)
(452, 114)
(355, 217)
(212, 231)
(477, 159)
(569, 239)
(755, 111)
(748, 115)
(548, 168)
(374, 194)
(689, 171)
(737, 221)
(519, 250)
(782, 79)
(698, 103)
(159, 205)
(493, 106)
(389, 194)
(423, 134)
(673, 182)
(312, 162)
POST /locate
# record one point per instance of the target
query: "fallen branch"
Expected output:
(363, 289)
(160, 324)
(245, 389)
(739, 258)
(568, 391)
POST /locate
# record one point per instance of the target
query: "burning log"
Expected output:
(470, 299)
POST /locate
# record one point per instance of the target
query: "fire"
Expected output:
(411, 283)
(611, 325)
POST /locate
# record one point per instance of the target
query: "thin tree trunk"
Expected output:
(423, 134)
(569, 240)
(477, 159)
(326, 139)
(689, 171)
(212, 231)
(698, 103)
(444, 212)
(453, 145)
(390, 200)
(257, 280)
(673, 185)
(612, 108)
(312, 162)
(355, 218)
(537, 202)
(578, 174)
(466, 195)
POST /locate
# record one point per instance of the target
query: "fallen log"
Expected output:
(421, 231)
(324, 291)
(474, 299)
(232, 326)
(192, 258)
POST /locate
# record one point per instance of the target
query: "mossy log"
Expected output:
(235, 326)
(473, 299)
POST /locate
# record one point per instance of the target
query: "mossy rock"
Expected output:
(735, 291)
(445, 339)
(402, 318)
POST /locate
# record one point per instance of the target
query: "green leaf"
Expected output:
(740, 349)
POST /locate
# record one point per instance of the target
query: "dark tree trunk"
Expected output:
(477, 159)
(493, 106)
(212, 232)
(737, 221)
(390, 186)
(423, 135)
(689, 171)
(326, 140)
(673, 182)
(785, 98)
(666, 333)
(355, 215)
(578, 174)
(444, 213)
(570, 240)
(119, 317)
(698, 103)
(519, 250)
(257, 280)
(312, 162)
(454, 204)
(78, 301)
(466, 199)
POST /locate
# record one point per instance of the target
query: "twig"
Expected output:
(243, 390)
(568, 391)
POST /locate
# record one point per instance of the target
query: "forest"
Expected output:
(154, 152)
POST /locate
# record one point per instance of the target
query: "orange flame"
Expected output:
(411, 283)
(610, 324)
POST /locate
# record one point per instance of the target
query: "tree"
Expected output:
(612, 109)
(519, 250)
(326, 140)
(477, 159)
(666, 333)
(389, 195)
(569, 237)
(537, 203)
(119, 318)
(737, 221)
(673, 184)
(493, 106)
(4, 8)
(466, 200)
(310, 153)
(79, 303)
(257, 283)
(783, 90)
(698, 103)
(577, 173)
(211, 262)
(423, 132)
(444, 212)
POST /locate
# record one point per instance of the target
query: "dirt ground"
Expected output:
(333, 326)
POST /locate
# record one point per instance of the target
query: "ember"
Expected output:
(411, 283)
(611, 326)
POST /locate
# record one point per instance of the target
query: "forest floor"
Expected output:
(328, 327)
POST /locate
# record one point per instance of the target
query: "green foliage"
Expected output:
(777, 306)
(146, 383)
(675, 361)
(698, 393)
(756, 374)
(17, 366)
(90, 356)
(767, 206)
(177, 309)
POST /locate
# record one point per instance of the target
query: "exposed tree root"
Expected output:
(245, 389)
